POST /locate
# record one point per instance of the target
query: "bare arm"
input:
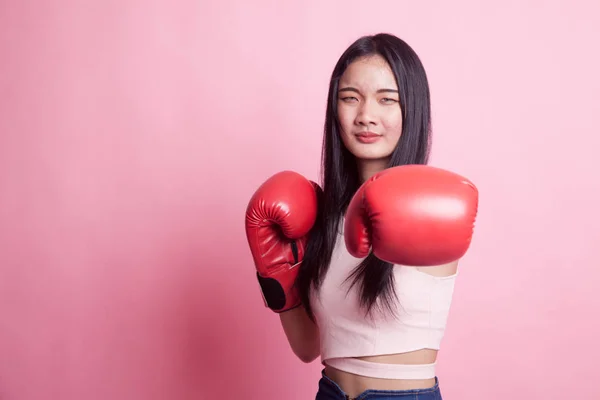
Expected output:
(441, 270)
(302, 334)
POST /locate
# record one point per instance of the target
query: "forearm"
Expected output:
(302, 334)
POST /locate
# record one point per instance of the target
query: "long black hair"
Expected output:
(340, 175)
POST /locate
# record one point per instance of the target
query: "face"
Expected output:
(369, 112)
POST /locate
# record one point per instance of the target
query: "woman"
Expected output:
(362, 272)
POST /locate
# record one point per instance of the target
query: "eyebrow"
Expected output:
(352, 89)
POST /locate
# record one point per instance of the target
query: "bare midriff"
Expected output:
(353, 384)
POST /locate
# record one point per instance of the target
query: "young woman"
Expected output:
(362, 271)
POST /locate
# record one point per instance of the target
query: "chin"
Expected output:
(371, 154)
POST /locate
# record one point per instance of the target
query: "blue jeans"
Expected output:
(329, 390)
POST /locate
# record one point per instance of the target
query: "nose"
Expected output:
(366, 115)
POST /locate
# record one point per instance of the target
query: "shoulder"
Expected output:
(443, 270)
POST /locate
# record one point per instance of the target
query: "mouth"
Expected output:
(367, 137)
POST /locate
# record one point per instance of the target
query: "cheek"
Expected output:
(393, 124)
(345, 120)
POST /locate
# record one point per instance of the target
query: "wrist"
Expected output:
(278, 289)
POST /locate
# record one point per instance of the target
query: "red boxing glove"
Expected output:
(279, 217)
(413, 215)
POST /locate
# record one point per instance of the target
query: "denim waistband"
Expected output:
(329, 390)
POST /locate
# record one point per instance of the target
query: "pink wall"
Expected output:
(117, 248)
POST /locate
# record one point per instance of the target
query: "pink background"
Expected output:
(134, 132)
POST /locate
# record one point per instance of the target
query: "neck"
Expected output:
(368, 168)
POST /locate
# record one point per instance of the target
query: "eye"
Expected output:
(349, 99)
(387, 100)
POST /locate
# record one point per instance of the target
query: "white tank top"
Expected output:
(421, 314)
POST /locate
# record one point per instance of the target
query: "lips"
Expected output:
(367, 134)
(367, 137)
